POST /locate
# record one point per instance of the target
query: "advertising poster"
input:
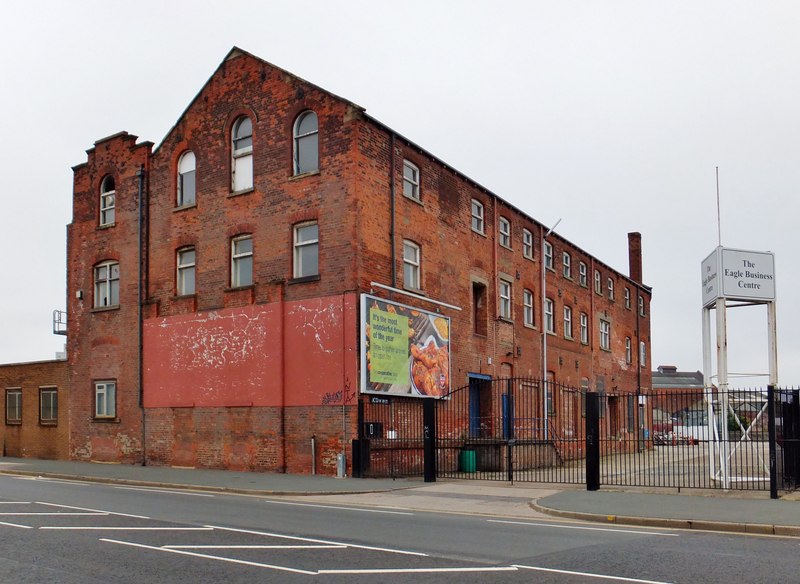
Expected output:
(404, 350)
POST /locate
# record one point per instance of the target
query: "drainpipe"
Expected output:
(392, 205)
(140, 322)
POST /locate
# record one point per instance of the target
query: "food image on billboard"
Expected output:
(404, 350)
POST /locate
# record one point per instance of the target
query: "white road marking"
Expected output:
(94, 510)
(170, 491)
(15, 502)
(590, 575)
(101, 528)
(584, 528)
(230, 560)
(15, 525)
(420, 570)
(310, 540)
(337, 508)
(255, 547)
(59, 513)
(63, 481)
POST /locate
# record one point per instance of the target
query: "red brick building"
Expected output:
(214, 280)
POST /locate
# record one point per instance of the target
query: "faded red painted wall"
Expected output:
(245, 356)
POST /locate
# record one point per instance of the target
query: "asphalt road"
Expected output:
(63, 531)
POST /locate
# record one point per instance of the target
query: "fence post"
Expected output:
(359, 465)
(429, 439)
(773, 463)
(592, 441)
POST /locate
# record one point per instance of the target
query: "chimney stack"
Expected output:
(635, 256)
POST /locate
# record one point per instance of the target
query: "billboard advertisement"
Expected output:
(404, 350)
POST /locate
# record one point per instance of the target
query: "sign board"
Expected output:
(404, 350)
(737, 274)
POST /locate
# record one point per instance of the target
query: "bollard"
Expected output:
(341, 466)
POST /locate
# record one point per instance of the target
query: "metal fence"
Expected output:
(523, 429)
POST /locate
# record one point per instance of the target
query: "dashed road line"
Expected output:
(255, 547)
(338, 508)
(556, 525)
(129, 528)
(169, 491)
(590, 575)
(420, 570)
(94, 510)
(15, 525)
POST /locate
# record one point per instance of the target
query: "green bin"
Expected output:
(467, 461)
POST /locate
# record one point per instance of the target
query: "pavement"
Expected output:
(742, 512)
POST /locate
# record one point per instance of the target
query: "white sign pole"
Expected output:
(713, 439)
(722, 379)
(772, 342)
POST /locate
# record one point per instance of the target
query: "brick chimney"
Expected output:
(635, 256)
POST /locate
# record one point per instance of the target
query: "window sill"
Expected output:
(533, 327)
(505, 319)
(480, 335)
(304, 175)
(47, 424)
(584, 284)
(504, 246)
(414, 200)
(13, 423)
(569, 338)
(527, 257)
(240, 288)
(106, 226)
(191, 296)
(242, 192)
(105, 308)
(568, 278)
(414, 290)
(605, 350)
(108, 420)
(304, 279)
(551, 333)
(184, 207)
(481, 233)
(550, 269)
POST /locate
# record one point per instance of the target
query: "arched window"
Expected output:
(107, 201)
(186, 179)
(306, 143)
(242, 151)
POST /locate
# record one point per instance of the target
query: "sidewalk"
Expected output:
(733, 512)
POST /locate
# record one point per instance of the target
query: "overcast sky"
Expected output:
(610, 115)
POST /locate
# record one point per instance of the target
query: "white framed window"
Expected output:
(504, 230)
(527, 304)
(241, 261)
(527, 244)
(412, 255)
(627, 298)
(568, 322)
(549, 324)
(611, 289)
(105, 399)
(642, 354)
(477, 217)
(605, 335)
(549, 388)
(185, 271)
(548, 255)
(14, 405)
(108, 201)
(598, 282)
(242, 154)
(306, 143)
(583, 275)
(106, 284)
(628, 350)
(584, 328)
(306, 250)
(48, 405)
(186, 179)
(566, 261)
(505, 299)
(641, 305)
(410, 180)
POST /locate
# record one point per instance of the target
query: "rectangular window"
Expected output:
(627, 298)
(598, 282)
(411, 263)
(105, 399)
(185, 271)
(549, 325)
(504, 229)
(241, 261)
(548, 255)
(628, 350)
(48, 405)
(527, 244)
(566, 259)
(106, 285)
(568, 322)
(583, 275)
(306, 250)
(584, 391)
(605, 335)
(479, 312)
(14, 406)
(610, 289)
(641, 305)
(410, 180)
(584, 328)
(527, 302)
(107, 208)
(642, 354)
(477, 216)
(505, 299)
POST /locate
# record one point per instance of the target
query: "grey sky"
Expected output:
(608, 114)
